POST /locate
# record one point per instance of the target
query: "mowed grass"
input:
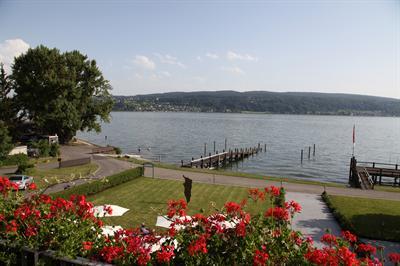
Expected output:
(232, 173)
(46, 177)
(371, 218)
(146, 198)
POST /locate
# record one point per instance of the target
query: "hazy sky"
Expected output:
(159, 46)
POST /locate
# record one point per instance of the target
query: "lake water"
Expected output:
(181, 136)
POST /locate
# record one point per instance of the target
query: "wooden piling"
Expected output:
(214, 145)
(301, 159)
(205, 149)
(265, 147)
(226, 143)
(309, 152)
(313, 154)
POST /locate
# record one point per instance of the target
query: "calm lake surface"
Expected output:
(181, 136)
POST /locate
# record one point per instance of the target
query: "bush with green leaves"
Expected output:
(97, 186)
(45, 148)
(15, 159)
(54, 150)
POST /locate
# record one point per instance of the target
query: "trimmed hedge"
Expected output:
(96, 186)
(344, 223)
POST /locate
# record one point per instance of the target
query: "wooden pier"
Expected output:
(222, 159)
(366, 175)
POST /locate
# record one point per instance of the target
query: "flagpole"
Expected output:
(354, 138)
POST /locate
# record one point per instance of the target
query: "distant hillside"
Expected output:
(261, 101)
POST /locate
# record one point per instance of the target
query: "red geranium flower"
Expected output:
(349, 237)
(329, 239)
(278, 213)
(366, 248)
(394, 257)
(165, 255)
(87, 245)
(32, 186)
(260, 257)
(198, 246)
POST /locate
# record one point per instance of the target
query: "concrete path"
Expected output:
(315, 218)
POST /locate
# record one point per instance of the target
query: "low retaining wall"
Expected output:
(103, 149)
(75, 162)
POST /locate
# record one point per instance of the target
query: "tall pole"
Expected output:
(225, 144)
(354, 139)
(205, 149)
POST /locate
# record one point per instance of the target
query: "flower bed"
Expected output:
(229, 236)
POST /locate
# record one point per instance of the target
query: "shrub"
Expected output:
(15, 159)
(43, 146)
(117, 150)
(97, 186)
(54, 150)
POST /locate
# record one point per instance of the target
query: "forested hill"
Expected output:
(261, 101)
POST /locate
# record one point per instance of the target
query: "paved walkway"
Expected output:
(107, 165)
(251, 182)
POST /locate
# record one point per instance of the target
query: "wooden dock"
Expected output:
(366, 175)
(222, 159)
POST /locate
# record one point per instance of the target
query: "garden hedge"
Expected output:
(344, 223)
(96, 186)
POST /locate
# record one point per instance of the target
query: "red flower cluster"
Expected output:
(6, 186)
(198, 246)
(329, 239)
(176, 207)
(278, 213)
(293, 207)
(260, 257)
(165, 254)
(349, 237)
(233, 208)
(395, 258)
(366, 249)
(256, 194)
(273, 191)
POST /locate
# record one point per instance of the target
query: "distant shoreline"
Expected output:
(255, 113)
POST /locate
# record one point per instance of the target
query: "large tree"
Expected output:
(61, 92)
(5, 141)
(8, 110)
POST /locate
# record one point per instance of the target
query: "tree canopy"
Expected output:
(5, 141)
(60, 93)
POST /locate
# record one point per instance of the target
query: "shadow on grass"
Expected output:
(377, 226)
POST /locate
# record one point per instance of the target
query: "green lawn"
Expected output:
(232, 173)
(387, 188)
(371, 218)
(60, 174)
(146, 198)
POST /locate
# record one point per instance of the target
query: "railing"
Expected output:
(28, 256)
(375, 164)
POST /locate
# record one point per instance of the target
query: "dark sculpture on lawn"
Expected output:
(188, 188)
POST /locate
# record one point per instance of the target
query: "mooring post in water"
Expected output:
(225, 143)
(309, 152)
(214, 145)
(301, 159)
(313, 153)
(265, 147)
(205, 149)
(259, 146)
